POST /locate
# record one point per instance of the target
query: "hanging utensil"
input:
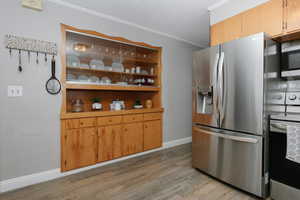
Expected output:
(37, 58)
(10, 52)
(53, 85)
(45, 57)
(28, 56)
(20, 62)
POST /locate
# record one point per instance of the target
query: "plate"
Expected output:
(108, 68)
(84, 65)
(144, 72)
(122, 83)
(94, 79)
(83, 78)
(105, 80)
(117, 67)
(73, 61)
(96, 64)
(138, 106)
(71, 77)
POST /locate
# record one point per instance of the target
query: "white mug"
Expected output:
(118, 106)
(133, 70)
(138, 70)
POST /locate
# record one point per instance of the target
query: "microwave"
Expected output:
(290, 59)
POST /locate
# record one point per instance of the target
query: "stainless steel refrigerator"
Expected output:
(230, 84)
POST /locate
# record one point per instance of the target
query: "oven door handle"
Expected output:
(229, 137)
(282, 127)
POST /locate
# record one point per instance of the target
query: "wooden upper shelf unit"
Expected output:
(96, 64)
(278, 18)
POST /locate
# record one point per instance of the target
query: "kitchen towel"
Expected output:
(293, 143)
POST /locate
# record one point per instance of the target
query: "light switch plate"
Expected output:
(33, 4)
(15, 91)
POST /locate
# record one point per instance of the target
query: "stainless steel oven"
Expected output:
(284, 174)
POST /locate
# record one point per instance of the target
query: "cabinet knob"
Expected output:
(125, 129)
(146, 126)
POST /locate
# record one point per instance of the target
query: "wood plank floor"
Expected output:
(163, 175)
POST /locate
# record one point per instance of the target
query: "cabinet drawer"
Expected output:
(72, 123)
(152, 116)
(87, 122)
(133, 118)
(102, 121)
(80, 123)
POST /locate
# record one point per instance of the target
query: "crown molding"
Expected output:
(217, 5)
(116, 19)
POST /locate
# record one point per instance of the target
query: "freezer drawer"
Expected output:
(232, 157)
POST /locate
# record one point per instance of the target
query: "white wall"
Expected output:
(30, 125)
(231, 8)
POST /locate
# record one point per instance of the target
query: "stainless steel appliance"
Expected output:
(284, 173)
(230, 84)
(290, 59)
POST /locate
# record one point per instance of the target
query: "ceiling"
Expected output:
(186, 20)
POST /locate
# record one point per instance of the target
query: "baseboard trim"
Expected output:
(23, 181)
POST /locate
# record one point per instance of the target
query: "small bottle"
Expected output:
(152, 71)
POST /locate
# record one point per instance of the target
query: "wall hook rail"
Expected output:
(31, 45)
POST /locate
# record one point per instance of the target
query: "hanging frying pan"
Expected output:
(53, 85)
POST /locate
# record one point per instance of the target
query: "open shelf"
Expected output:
(73, 115)
(109, 72)
(111, 87)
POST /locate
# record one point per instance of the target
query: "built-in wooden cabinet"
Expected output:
(108, 69)
(87, 152)
(152, 134)
(132, 138)
(70, 149)
(235, 25)
(109, 138)
(292, 8)
(271, 17)
(79, 148)
(277, 18)
(219, 33)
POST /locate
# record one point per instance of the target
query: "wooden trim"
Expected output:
(109, 72)
(109, 113)
(63, 70)
(120, 39)
(110, 87)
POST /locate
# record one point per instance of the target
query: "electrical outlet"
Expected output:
(15, 91)
(33, 4)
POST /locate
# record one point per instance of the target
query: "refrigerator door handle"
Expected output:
(229, 137)
(221, 87)
(215, 84)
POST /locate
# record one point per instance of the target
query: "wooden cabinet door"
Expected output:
(272, 17)
(293, 15)
(109, 142)
(87, 146)
(251, 21)
(152, 134)
(104, 144)
(117, 141)
(232, 28)
(70, 149)
(132, 138)
(216, 34)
